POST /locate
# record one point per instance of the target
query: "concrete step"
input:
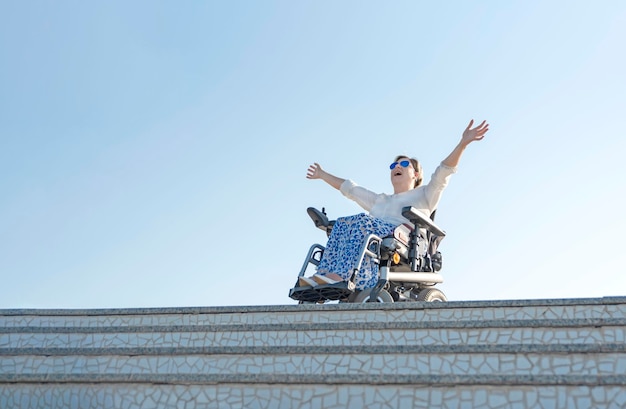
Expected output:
(603, 308)
(533, 353)
(238, 364)
(348, 334)
(311, 396)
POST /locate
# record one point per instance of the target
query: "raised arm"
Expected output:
(316, 172)
(469, 135)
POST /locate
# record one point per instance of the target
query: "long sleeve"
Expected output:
(363, 197)
(438, 182)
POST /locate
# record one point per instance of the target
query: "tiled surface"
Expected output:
(325, 337)
(526, 354)
(338, 364)
(307, 396)
(410, 312)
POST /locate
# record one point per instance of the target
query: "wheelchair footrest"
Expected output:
(325, 292)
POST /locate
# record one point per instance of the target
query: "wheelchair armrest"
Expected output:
(420, 220)
(319, 218)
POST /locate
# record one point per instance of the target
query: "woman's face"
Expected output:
(402, 177)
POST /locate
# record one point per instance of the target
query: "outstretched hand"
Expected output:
(474, 134)
(314, 171)
(469, 135)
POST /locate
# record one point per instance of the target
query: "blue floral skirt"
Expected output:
(344, 246)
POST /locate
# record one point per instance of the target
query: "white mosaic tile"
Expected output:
(337, 364)
(307, 397)
(330, 337)
(294, 314)
(337, 333)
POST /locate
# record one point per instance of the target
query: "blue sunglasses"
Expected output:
(404, 164)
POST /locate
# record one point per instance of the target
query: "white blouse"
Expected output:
(424, 198)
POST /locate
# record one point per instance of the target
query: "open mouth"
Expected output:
(397, 173)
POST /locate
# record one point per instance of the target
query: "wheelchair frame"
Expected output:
(411, 277)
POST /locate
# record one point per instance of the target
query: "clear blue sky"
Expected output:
(153, 154)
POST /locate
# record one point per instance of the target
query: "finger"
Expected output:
(470, 124)
(311, 172)
(483, 129)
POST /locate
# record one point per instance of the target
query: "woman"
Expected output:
(385, 211)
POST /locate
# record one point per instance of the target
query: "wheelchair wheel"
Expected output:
(431, 295)
(364, 296)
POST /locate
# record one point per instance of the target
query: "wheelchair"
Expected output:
(409, 264)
